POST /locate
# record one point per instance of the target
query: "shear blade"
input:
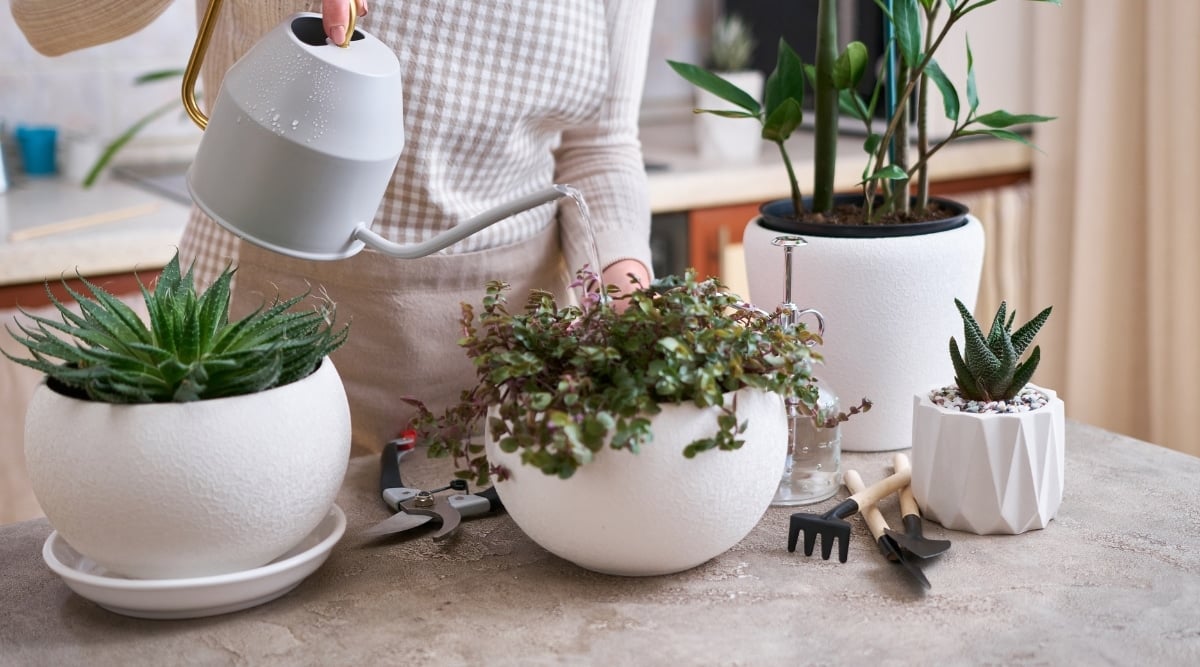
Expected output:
(397, 523)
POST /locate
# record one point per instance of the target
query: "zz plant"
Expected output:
(919, 27)
(190, 350)
(989, 368)
(568, 381)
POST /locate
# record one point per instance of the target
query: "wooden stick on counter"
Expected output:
(83, 222)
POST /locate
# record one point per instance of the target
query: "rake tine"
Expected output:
(810, 540)
(833, 526)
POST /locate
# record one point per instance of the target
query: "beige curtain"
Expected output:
(1115, 238)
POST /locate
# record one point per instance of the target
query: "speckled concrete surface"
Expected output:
(1115, 579)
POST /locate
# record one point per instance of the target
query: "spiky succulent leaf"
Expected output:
(990, 369)
(1023, 336)
(190, 350)
(1024, 373)
(962, 373)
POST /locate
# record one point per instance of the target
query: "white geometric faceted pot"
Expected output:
(654, 512)
(998, 473)
(887, 320)
(174, 490)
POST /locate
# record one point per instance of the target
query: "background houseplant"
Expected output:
(191, 445)
(919, 28)
(988, 450)
(732, 48)
(872, 278)
(575, 400)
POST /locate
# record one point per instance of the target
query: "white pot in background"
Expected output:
(174, 490)
(729, 140)
(654, 512)
(988, 473)
(889, 315)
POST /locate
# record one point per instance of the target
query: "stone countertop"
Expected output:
(113, 227)
(141, 228)
(1115, 579)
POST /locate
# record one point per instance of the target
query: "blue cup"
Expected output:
(38, 149)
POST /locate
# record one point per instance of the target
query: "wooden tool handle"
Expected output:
(873, 516)
(881, 489)
(908, 504)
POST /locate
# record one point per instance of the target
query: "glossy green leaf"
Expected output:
(785, 119)
(850, 103)
(1007, 135)
(906, 21)
(872, 143)
(972, 91)
(786, 81)
(1003, 118)
(946, 88)
(850, 65)
(706, 80)
(726, 113)
(891, 172)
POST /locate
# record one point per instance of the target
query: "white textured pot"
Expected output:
(729, 140)
(888, 307)
(654, 512)
(172, 490)
(988, 473)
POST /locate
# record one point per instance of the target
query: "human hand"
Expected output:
(617, 274)
(335, 15)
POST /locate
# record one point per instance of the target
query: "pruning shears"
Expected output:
(417, 507)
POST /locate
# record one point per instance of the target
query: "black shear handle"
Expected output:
(389, 466)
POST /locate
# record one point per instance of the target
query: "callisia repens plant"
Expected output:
(567, 381)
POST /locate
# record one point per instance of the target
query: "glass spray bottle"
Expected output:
(812, 470)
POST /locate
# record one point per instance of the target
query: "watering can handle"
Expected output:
(196, 60)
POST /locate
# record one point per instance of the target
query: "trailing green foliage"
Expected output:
(190, 351)
(919, 28)
(990, 368)
(567, 379)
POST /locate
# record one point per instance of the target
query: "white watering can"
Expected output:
(302, 142)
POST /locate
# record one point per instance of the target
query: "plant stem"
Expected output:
(825, 108)
(915, 75)
(900, 145)
(797, 199)
(923, 117)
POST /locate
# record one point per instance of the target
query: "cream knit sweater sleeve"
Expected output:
(61, 26)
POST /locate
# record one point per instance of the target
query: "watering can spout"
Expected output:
(463, 229)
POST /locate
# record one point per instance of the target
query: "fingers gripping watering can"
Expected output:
(302, 142)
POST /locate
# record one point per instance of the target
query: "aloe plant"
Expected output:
(190, 351)
(834, 77)
(732, 44)
(990, 368)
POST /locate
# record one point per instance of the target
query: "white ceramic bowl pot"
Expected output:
(174, 490)
(999, 473)
(655, 512)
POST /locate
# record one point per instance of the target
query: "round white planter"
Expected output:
(729, 140)
(174, 490)
(654, 512)
(988, 473)
(889, 312)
